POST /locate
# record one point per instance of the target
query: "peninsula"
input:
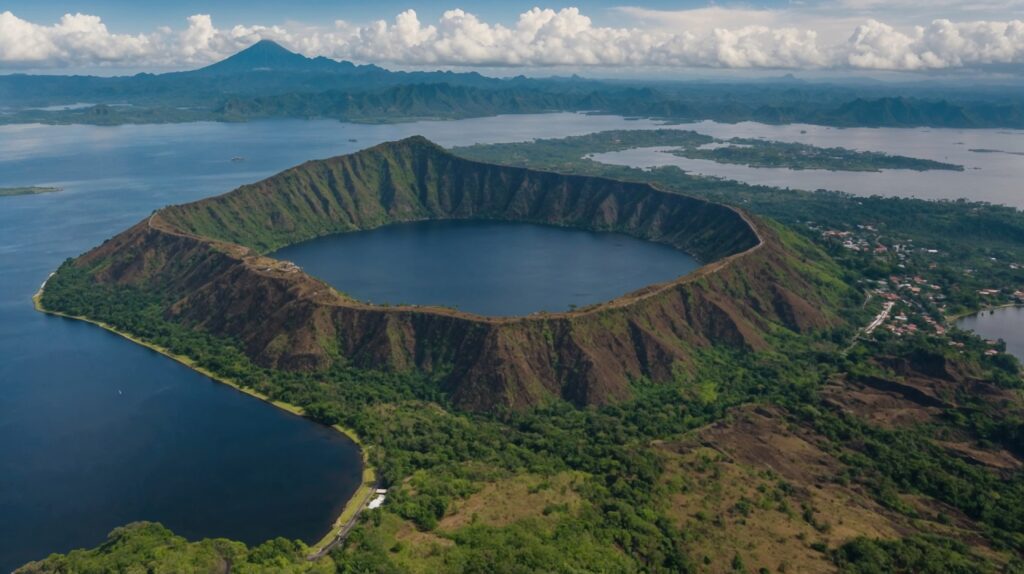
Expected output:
(763, 153)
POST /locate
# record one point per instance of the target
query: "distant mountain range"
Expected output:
(267, 80)
(269, 56)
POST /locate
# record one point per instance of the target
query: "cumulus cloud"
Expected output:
(545, 37)
(708, 37)
(83, 40)
(942, 44)
(76, 38)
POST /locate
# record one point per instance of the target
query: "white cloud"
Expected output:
(941, 44)
(713, 37)
(75, 39)
(545, 37)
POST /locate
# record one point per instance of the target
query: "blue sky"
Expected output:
(601, 37)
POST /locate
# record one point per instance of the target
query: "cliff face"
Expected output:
(203, 258)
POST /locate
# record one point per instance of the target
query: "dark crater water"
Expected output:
(487, 267)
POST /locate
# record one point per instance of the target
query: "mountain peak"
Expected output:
(268, 55)
(266, 47)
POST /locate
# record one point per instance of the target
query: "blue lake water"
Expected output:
(1006, 323)
(487, 267)
(993, 177)
(96, 431)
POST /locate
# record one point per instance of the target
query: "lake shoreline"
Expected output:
(356, 502)
(952, 319)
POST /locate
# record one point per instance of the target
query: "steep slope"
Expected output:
(203, 260)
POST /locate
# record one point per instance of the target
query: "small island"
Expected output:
(987, 150)
(29, 190)
(763, 153)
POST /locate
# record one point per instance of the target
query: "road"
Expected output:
(347, 527)
(882, 316)
(874, 324)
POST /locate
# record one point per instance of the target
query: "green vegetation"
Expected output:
(881, 453)
(31, 190)
(761, 153)
(435, 457)
(919, 554)
(149, 547)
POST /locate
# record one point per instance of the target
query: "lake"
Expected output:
(993, 176)
(487, 267)
(96, 431)
(1006, 323)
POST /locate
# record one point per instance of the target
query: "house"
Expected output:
(376, 502)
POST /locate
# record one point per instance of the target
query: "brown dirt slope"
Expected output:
(763, 488)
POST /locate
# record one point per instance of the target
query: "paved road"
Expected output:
(348, 526)
(874, 324)
(882, 316)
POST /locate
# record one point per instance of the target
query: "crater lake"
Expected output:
(487, 267)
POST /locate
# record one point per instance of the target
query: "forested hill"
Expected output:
(266, 80)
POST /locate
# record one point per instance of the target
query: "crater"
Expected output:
(495, 268)
(205, 265)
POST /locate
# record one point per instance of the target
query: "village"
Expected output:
(919, 295)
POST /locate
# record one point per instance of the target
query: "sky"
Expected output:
(602, 37)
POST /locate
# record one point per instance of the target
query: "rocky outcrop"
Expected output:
(205, 261)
